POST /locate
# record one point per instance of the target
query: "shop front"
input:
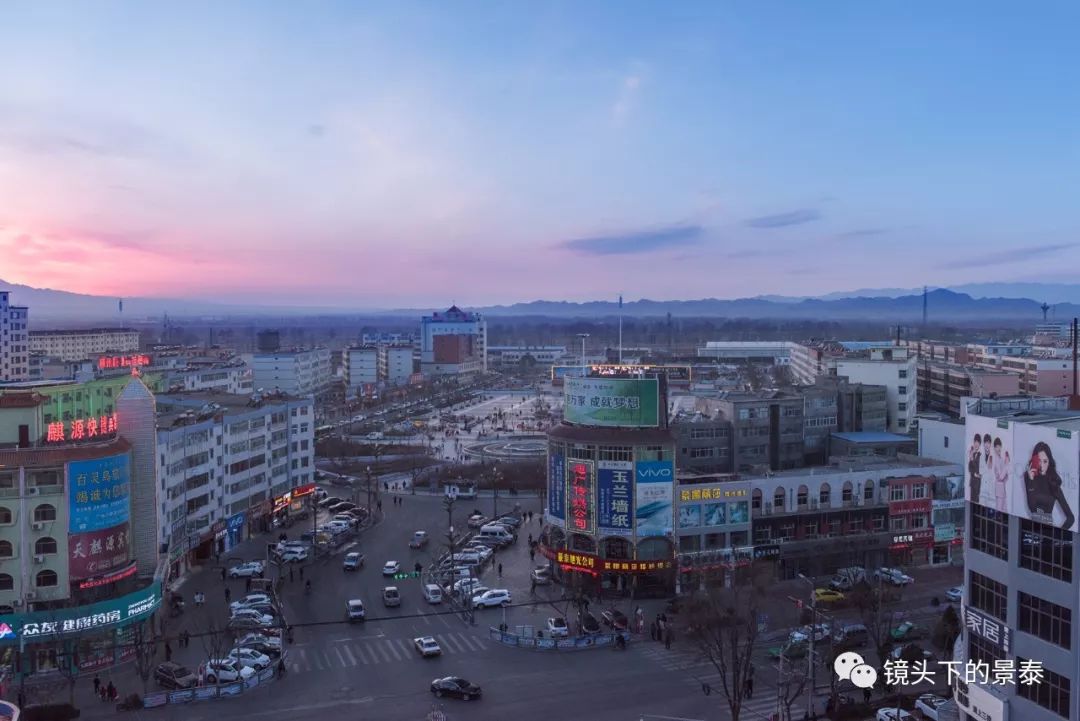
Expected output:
(948, 532)
(234, 530)
(587, 572)
(821, 557)
(292, 506)
(911, 548)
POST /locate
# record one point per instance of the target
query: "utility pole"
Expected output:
(620, 328)
(495, 490)
(583, 336)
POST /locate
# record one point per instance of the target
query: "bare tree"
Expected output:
(145, 643)
(215, 640)
(876, 609)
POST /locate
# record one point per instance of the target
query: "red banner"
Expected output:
(97, 552)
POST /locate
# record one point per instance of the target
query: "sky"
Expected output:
(402, 154)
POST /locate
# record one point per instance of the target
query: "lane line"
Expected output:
(363, 655)
(340, 658)
(464, 641)
(405, 647)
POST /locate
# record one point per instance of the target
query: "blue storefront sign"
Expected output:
(98, 493)
(655, 490)
(615, 508)
(557, 486)
(235, 527)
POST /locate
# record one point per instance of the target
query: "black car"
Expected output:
(173, 675)
(588, 623)
(615, 620)
(453, 686)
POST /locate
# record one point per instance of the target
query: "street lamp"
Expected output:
(583, 336)
(812, 667)
(494, 490)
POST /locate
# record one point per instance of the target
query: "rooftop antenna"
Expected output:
(925, 302)
(1045, 307)
(620, 328)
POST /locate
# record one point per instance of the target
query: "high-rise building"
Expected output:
(361, 368)
(453, 342)
(1021, 600)
(14, 346)
(896, 369)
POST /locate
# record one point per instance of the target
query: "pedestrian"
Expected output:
(97, 687)
(21, 697)
(866, 694)
(667, 638)
(168, 652)
(111, 691)
(532, 555)
(104, 694)
(223, 574)
(748, 692)
(500, 570)
(301, 573)
(247, 585)
(290, 576)
(652, 630)
(532, 586)
(586, 603)
(228, 595)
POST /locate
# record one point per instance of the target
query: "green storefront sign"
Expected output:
(71, 622)
(615, 402)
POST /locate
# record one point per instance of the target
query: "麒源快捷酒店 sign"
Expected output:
(65, 622)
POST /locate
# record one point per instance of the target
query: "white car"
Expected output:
(477, 521)
(930, 706)
(247, 570)
(482, 551)
(294, 555)
(893, 714)
(390, 568)
(252, 599)
(821, 632)
(557, 628)
(224, 670)
(955, 593)
(541, 576)
(466, 586)
(250, 657)
(427, 646)
(492, 598)
(894, 576)
(250, 618)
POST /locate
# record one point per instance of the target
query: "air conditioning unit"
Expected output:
(39, 559)
(39, 526)
(33, 491)
(31, 595)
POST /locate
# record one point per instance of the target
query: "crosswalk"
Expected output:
(696, 671)
(350, 653)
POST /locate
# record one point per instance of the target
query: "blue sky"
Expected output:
(494, 152)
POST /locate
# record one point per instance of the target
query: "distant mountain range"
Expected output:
(53, 307)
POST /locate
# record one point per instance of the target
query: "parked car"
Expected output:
(456, 687)
(541, 575)
(956, 593)
(557, 628)
(588, 623)
(224, 670)
(329, 501)
(477, 521)
(894, 576)
(909, 649)
(247, 570)
(427, 646)
(907, 631)
(390, 568)
(172, 675)
(827, 595)
(353, 561)
(390, 597)
(893, 713)
(251, 658)
(790, 650)
(510, 520)
(819, 630)
(252, 599)
(294, 555)
(484, 552)
(354, 610)
(269, 645)
(492, 598)
(614, 619)
(930, 705)
(250, 618)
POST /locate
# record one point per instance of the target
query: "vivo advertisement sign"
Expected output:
(655, 496)
(556, 489)
(615, 507)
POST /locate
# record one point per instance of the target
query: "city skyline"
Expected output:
(395, 157)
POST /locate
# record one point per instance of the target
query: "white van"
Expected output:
(496, 533)
(432, 593)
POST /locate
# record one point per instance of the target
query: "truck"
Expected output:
(847, 578)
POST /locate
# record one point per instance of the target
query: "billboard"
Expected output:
(99, 493)
(556, 488)
(714, 504)
(1023, 469)
(81, 619)
(614, 506)
(581, 504)
(655, 497)
(613, 402)
(97, 552)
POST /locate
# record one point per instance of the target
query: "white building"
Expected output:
(511, 354)
(775, 352)
(453, 342)
(894, 368)
(395, 364)
(75, 345)
(942, 439)
(235, 379)
(298, 373)
(14, 346)
(223, 460)
(361, 368)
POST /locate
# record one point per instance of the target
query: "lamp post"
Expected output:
(367, 471)
(583, 336)
(812, 667)
(494, 491)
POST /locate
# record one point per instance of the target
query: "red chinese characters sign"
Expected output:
(581, 507)
(122, 361)
(94, 553)
(590, 563)
(81, 429)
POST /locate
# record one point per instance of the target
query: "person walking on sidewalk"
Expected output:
(500, 570)
(97, 687)
(301, 573)
(228, 595)
(168, 652)
(223, 574)
(667, 638)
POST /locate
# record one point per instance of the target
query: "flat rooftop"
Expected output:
(177, 404)
(855, 464)
(1062, 420)
(873, 437)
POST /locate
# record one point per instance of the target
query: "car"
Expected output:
(225, 670)
(330, 501)
(172, 675)
(390, 597)
(821, 632)
(250, 618)
(614, 619)
(269, 645)
(790, 650)
(354, 610)
(894, 576)
(427, 646)
(247, 570)
(892, 713)
(456, 687)
(341, 506)
(541, 575)
(477, 521)
(492, 598)
(294, 555)
(906, 631)
(827, 595)
(588, 623)
(390, 568)
(250, 657)
(252, 599)
(484, 552)
(557, 628)
(930, 705)
(510, 520)
(956, 593)
(353, 561)
(419, 539)
(908, 649)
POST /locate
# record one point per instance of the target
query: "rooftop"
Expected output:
(873, 437)
(1062, 420)
(82, 331)
(174, 407)
(855, 464)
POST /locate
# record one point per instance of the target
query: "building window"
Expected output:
(45, 546)
(825, 495)
(778, 498)
(918, 490)
(902, 373)
(46, 579)
(802, 497)
(918, 521)
(7, 582)
(898, 523)
(1046, 549)
(845, 493)
(988, 595)
(868, 491)
(901, 407)
(990, 531)
(5, 515)
(1048, 621)
(902, 390)
(897, 493)
(982, 651)
(6, 549)
(45, 512)
(946, 441)
(755, 500)
(1052, 692)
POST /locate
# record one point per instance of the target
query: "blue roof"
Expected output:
(872, 437)
(865, 344)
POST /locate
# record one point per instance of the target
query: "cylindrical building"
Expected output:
(609, 513)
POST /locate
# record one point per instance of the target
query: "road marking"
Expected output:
(317, 661)
(427, 620)
(347, 652)
(340, 658)
(405, 647)
(383, 653)
(467, 642)
(359, 649)
(393, 650)
(451, 643)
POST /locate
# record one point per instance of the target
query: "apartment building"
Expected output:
(83, 343)
(941, 385)
(453, 342)
(774, 352)
(14, 346)
(395, 364)
(767, 429)
(295, 372)
(892, 367)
